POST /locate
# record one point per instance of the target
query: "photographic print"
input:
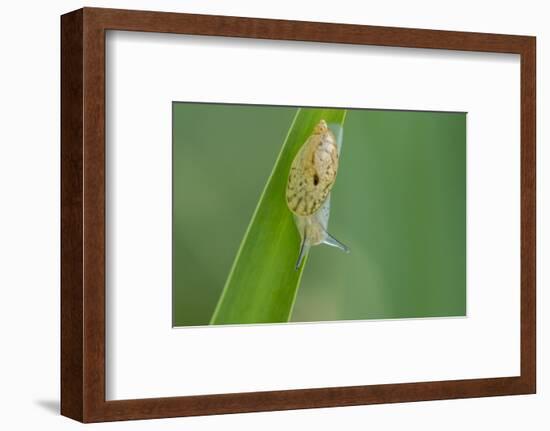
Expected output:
(299, 214)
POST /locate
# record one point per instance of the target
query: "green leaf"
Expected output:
(263, 283)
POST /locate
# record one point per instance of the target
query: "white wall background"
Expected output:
(29, 214)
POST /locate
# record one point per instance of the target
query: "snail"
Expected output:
(311, 178)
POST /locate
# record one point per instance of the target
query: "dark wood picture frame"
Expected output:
(83, 214)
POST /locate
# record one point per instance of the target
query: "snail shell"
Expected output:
(313, 172)
(310, 181)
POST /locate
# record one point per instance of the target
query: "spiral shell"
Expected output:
(313, 172)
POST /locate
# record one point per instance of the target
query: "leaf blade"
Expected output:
(262, 284)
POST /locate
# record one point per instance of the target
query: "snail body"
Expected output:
(311, 178)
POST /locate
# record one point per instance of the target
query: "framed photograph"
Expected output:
(267, 215)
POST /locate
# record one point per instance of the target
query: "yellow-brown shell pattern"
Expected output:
(313, 172)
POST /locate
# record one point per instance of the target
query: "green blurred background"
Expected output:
(399, 203)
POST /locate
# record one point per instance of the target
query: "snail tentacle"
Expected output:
(333, 242)
(304, 248)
